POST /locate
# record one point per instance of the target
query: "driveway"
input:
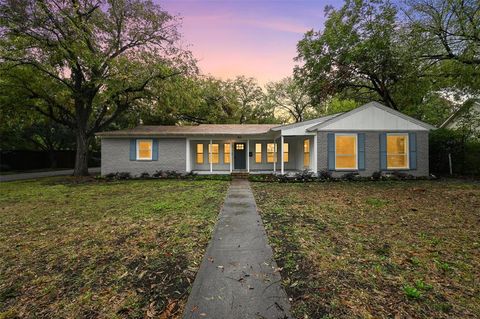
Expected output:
(238, 277)
(65, 172)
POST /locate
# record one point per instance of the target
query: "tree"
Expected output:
(358, 54)
(97, 59)
(450, 27)
(194, 100)
(289, 96)
(251, 101)
(23, 129)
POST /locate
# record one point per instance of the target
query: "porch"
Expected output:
(278, 155)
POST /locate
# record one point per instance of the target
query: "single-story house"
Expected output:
(370, 138)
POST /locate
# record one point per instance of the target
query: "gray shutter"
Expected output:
(331, 151)
(133, 149)
(412, 146)
(383, 151)
(155, 149)
(361, 151)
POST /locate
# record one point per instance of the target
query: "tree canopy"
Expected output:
(90, 60)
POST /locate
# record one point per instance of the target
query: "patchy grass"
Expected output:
(376, 250)
(75, 248)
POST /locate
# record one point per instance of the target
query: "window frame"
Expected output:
(407, 151)
(259, 153)
(225, 153)
(286, 152)
(304, 153)
(197, 153)
(140, 140)
(356, 152)
(211, 153)
(274, 153)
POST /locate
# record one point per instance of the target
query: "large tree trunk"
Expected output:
(81, 157)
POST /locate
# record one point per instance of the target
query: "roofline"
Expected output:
(297, 124)
(457, 113)
(155, 134)
(367, 105)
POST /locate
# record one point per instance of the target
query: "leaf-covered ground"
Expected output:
(102, 249)
(376, 250)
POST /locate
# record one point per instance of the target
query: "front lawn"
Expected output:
(97, 249)
(376, 249)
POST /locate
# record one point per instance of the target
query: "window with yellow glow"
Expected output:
(213, 153)
(271, 152)
(240, 147)
(199, 153)
(144, 149)
(306, 153)
(285, 152)
(345, 151)
(258, 152)
(397, 151)
(226, 153)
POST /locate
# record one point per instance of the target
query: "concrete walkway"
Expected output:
(238, 277)
(33, 175)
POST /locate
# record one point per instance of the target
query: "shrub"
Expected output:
(351, 176)
(283, 178)
(262, 178)
(123, 175)
(110, 175)
(304, 176)
(376, 176)
(464, 152)
(325, 175)
(145, 175)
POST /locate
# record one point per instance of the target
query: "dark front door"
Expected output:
(239, 155)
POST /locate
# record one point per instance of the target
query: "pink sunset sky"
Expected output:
(251, 38)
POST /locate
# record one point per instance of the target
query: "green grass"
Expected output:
(86, 249)
(376, 250)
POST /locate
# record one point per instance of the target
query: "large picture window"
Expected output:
(345, 151)
(213, 153)
(271, 152)
(397, 151)
(144, 149)
(258, 152)
(306, 153)
(226, 153)
(199, 158)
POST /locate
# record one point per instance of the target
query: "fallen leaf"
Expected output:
(167, 313)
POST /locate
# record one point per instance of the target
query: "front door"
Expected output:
(239, 156)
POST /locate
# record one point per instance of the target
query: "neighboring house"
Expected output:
(367, 139)
(468, 115)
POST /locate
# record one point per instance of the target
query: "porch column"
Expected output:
(231, 157)
(187, 155)
(248, 156)
(282, 164)
(274, 157)
(315, 162)
(210, 156)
